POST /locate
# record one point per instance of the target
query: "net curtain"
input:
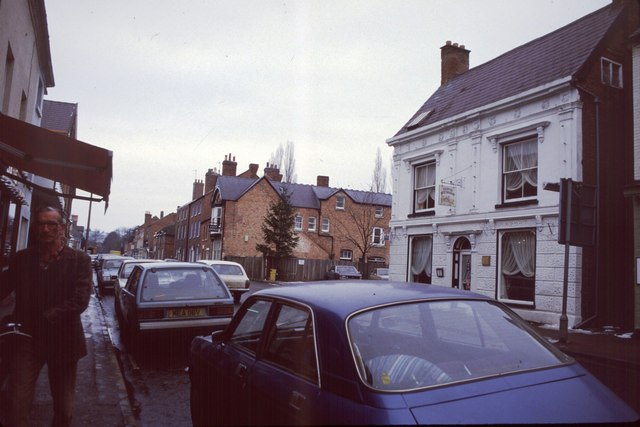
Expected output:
(522, 157)
(425, 185)
(421, 254)
(518, 255)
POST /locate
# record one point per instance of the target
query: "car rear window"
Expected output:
(411, 346)
(228, 270)
(182, 284)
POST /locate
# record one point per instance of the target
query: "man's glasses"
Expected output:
(51, 224)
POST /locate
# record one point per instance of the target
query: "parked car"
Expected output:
(108, 272)
(164, 297)
(232, 274)
(127, 267)
(343, 272)
(380, 274)
(371, 352)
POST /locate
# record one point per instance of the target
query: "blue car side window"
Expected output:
(249, 328)
(291, 342)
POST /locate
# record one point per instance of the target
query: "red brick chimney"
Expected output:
(253, 167)
(454, 61)
(147, 217)
(229, 166)
(273, 173)
(322, 181)
(198, 188)
(210, 180)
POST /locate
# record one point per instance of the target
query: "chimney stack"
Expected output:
(272, 173)
(253, 168)
(210, 180)
(198, 189)
(454, 61)
(229, 166)
(147, 217)
(322, 181)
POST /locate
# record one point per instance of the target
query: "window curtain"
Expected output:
(518, 256)
(421, 254)
(425, 185)
(522, 157)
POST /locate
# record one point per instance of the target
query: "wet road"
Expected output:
(156, 378)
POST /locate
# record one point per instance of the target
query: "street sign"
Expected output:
(578, 213)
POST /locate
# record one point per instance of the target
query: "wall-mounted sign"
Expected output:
(447, 195)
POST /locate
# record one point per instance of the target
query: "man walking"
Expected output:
(52, 285)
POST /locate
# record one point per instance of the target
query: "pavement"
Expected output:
(101, 395)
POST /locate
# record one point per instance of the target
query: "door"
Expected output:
(461, 277)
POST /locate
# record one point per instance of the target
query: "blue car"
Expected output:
(373, 352)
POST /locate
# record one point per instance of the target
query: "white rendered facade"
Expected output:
(468, 152)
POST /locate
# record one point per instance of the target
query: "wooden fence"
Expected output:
(296, 269)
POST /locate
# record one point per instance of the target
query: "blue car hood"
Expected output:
(565, 394)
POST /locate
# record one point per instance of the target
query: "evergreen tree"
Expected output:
(277, 228)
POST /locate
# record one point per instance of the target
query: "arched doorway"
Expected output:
(461, 277)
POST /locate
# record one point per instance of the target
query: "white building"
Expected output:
(470, 209)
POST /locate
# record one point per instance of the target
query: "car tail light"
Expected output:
(221, 310)
(246, 284)
(150, 314)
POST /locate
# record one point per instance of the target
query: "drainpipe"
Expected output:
(596, 101)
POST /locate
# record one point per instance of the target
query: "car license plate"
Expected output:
(187, 312)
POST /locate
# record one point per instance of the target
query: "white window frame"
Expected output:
(340, 203)
(531, 140)
(312, 224)
(325, 224)
(379, 211)
(377, 236)
(430, 186)
(39, 96)
(344, 256)
(298, 223)
(611, 73)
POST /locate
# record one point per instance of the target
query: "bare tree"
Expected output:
(379, 180)
(357, 223)
(284, 157)
(277, 156)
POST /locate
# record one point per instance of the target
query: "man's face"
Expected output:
(48, 227)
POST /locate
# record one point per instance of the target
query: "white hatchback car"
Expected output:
(232, 274)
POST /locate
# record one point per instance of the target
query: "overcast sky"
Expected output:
(171, 87)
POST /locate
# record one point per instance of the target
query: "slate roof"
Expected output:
(553, 56)
(302, 195)
(59, 116)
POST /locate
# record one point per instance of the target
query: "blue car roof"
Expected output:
(347, 296)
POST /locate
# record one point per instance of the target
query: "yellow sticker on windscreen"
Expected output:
(386, 379)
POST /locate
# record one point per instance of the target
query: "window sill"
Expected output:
(517, 204)
(421, 214)
(523, 305)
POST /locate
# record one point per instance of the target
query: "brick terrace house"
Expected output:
(144, 243)
(470, 209)
(227, 211)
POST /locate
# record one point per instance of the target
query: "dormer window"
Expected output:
(611, 73)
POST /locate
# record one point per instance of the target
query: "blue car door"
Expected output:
(235, 359)
(283, 384)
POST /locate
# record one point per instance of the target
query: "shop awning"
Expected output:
(54, 156)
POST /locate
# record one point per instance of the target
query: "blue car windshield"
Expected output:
(424, 344)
